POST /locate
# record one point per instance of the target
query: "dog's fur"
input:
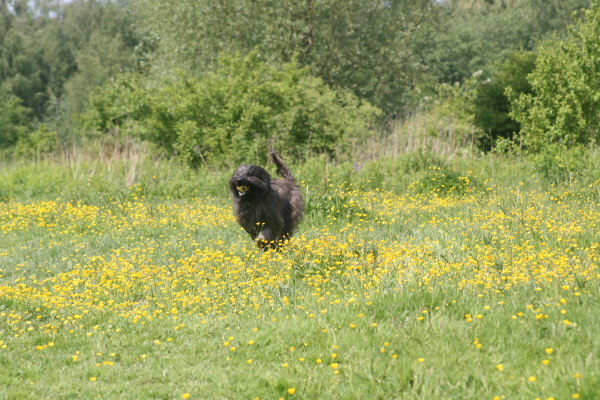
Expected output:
(268, 209)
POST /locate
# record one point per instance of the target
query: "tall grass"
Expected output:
(429, 132)
(107, 169)
(98, 172)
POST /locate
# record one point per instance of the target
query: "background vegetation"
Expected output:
(218, 83)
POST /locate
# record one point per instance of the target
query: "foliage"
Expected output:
(234, 114)
(492, 105)
(13, 120)
(476, 33)
(564, 108)
(52, 54)
(106, 49)
(371, 47)
(22, 60)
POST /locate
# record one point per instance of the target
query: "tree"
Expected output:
(372, 47)
(104, 40)
(564, 108)
(52, 55)
(474, 34)
(22, 64)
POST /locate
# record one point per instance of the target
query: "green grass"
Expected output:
(400, 289)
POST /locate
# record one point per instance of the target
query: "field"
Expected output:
(408, 279)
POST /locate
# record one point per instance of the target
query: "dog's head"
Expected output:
(249, 182)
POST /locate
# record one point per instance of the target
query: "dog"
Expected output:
(268, 209)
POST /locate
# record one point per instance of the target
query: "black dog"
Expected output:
(268, 209)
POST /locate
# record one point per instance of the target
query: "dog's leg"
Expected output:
(265, 238)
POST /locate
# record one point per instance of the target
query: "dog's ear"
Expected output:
(261, 182)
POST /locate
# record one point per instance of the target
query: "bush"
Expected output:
(477, 111)
(564, 108)
(234, 114)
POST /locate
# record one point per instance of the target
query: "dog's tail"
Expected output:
(282, 169)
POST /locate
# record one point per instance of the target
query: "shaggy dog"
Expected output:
(268, 209)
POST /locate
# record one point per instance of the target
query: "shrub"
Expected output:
(234, 114)
(564, 108)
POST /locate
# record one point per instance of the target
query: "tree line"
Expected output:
(216, 82)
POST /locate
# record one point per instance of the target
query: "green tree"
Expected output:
(53, 54)
(564, 108)
(104, 42)
(476, 33)
(373, 47)
(22, 64)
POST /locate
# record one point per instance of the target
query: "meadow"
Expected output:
(410, 278)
